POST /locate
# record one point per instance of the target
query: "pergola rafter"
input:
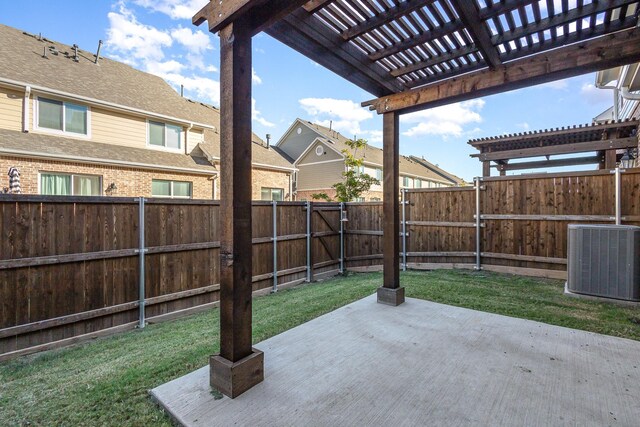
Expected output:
(412, 55)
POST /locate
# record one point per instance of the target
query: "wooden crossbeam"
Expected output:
(495, 9)
(313, 6)
(556, 20)
(465, 50)
(469, 16)
(549, 163)
(612, 50)
(304, 33)
(580, 147)
(385, 17)
(437, 32)
(259, 14)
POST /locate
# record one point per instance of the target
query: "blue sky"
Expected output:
(157, 36)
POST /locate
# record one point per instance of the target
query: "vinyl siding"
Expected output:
(318, 176)
(10, 109)
(194, 137)
(312, 157)
(114, 128)
(295, 144)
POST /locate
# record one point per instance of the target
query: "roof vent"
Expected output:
(75, 53)
(98, 52)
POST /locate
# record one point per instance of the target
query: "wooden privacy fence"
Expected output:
(73, 268)
(515, 224)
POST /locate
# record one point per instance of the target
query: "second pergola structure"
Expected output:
(411, 55)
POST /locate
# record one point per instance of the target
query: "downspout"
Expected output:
(291, 187)
(25, 109)
(213, 183)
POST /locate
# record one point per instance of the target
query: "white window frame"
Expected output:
(271, 193)
(36, 118)
(159, 147)
(72, 175)
(172, 181)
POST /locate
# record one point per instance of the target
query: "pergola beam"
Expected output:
(469, 16)
(604, 52)
(553, 163)
(304, 33)
(388, 15)
(580, 147)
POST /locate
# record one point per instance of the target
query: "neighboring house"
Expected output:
(74, 124)
(317, 154)
(624, 83)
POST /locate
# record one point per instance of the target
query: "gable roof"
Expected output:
(21, 60)
(373, 155)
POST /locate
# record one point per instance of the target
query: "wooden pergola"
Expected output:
(602, 140)
(410, 55)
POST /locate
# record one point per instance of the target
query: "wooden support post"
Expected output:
(610, 159)
(391, 293)
(238, 367)
(486, 169)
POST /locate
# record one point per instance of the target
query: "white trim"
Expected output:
(171, 182)
(103, 162)
(315, 189)
(36, 119)
(107, 104)
(318, 163)
(309, 148)
(40, 172)
(26, 109)
(165, 148)
(215, 159)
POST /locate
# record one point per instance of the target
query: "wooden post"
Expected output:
(610, 159)
(486, 169)
(391, 293)
(238, 367)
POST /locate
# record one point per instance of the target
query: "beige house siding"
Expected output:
(194, 137)
(328, 154)
(115, 128)
(306, 195)
(11, 109)
(320, 175)
(129, 182)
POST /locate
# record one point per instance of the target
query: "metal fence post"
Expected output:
(618, 199)
(404, 230)
(275, 246)
(309, 264)
(478, 224)
(341, 238)
(141, 252)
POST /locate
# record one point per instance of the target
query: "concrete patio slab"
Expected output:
(423, 363)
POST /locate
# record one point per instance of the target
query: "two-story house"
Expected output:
(317, 152)
(73, 123)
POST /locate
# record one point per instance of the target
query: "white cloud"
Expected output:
(164, 67)
(448, 120)
(127, 37)
(345, 114)
(373, 136)
(593, 95)
(255, 78)
(202, 87)
(175, 9)
(257, 115)
(523, 126)
(194, 41)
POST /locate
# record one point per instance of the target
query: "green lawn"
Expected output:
(106, 382)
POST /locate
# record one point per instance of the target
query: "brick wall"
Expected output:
(264, 178)
(129, 182)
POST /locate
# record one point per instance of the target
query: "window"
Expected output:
(407, 182)
(164, 135)
(59, 184)
(379, 174)
(62, 116)
(418, 183)
(272, 194)
(375, 199)
(173, 189)
(359, 199)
